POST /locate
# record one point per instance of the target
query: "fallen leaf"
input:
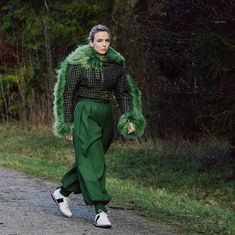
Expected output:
(212, 202)
(233, 206)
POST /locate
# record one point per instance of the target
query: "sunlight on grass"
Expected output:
(171, 207)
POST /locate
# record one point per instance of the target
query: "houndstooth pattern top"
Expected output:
(103, 83)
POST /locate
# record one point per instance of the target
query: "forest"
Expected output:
(181, 54)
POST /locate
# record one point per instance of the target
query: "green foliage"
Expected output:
(68, 22)
(41, 35)
(16, 91)
(181, 54)
(214, 74)
(8, 96)
(69, 27)
(184, 63)
(18, 25)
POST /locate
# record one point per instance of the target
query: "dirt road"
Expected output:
(26, 208)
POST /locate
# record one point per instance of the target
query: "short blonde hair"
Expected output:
(98, 28)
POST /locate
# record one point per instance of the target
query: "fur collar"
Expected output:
(88, 58)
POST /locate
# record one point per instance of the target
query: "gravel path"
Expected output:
(26, 208)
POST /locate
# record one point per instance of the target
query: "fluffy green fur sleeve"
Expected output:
(60, 127)
(135, 116)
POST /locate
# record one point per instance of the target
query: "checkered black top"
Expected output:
(102, 84)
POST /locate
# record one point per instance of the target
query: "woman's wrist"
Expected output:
(131, 128)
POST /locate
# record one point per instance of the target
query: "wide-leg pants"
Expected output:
(93, 134)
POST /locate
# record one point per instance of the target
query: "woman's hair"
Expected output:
(98, 28)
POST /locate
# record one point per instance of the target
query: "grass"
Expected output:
(181, 183)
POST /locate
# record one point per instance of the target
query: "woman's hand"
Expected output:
(131, 128)
(69, 137)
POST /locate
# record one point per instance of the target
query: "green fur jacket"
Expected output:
(85, 73)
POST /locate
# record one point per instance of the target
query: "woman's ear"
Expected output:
(91, 44)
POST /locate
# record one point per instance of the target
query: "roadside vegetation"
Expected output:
(178, 182)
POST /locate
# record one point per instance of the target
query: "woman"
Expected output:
(93, 73)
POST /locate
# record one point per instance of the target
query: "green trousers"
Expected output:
(93, 134)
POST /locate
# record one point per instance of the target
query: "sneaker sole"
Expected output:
(54, 199)
(103, 226)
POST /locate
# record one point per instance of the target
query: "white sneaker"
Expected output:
(102, 221)
(62, 203)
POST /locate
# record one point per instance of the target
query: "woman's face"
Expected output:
(101, 42)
